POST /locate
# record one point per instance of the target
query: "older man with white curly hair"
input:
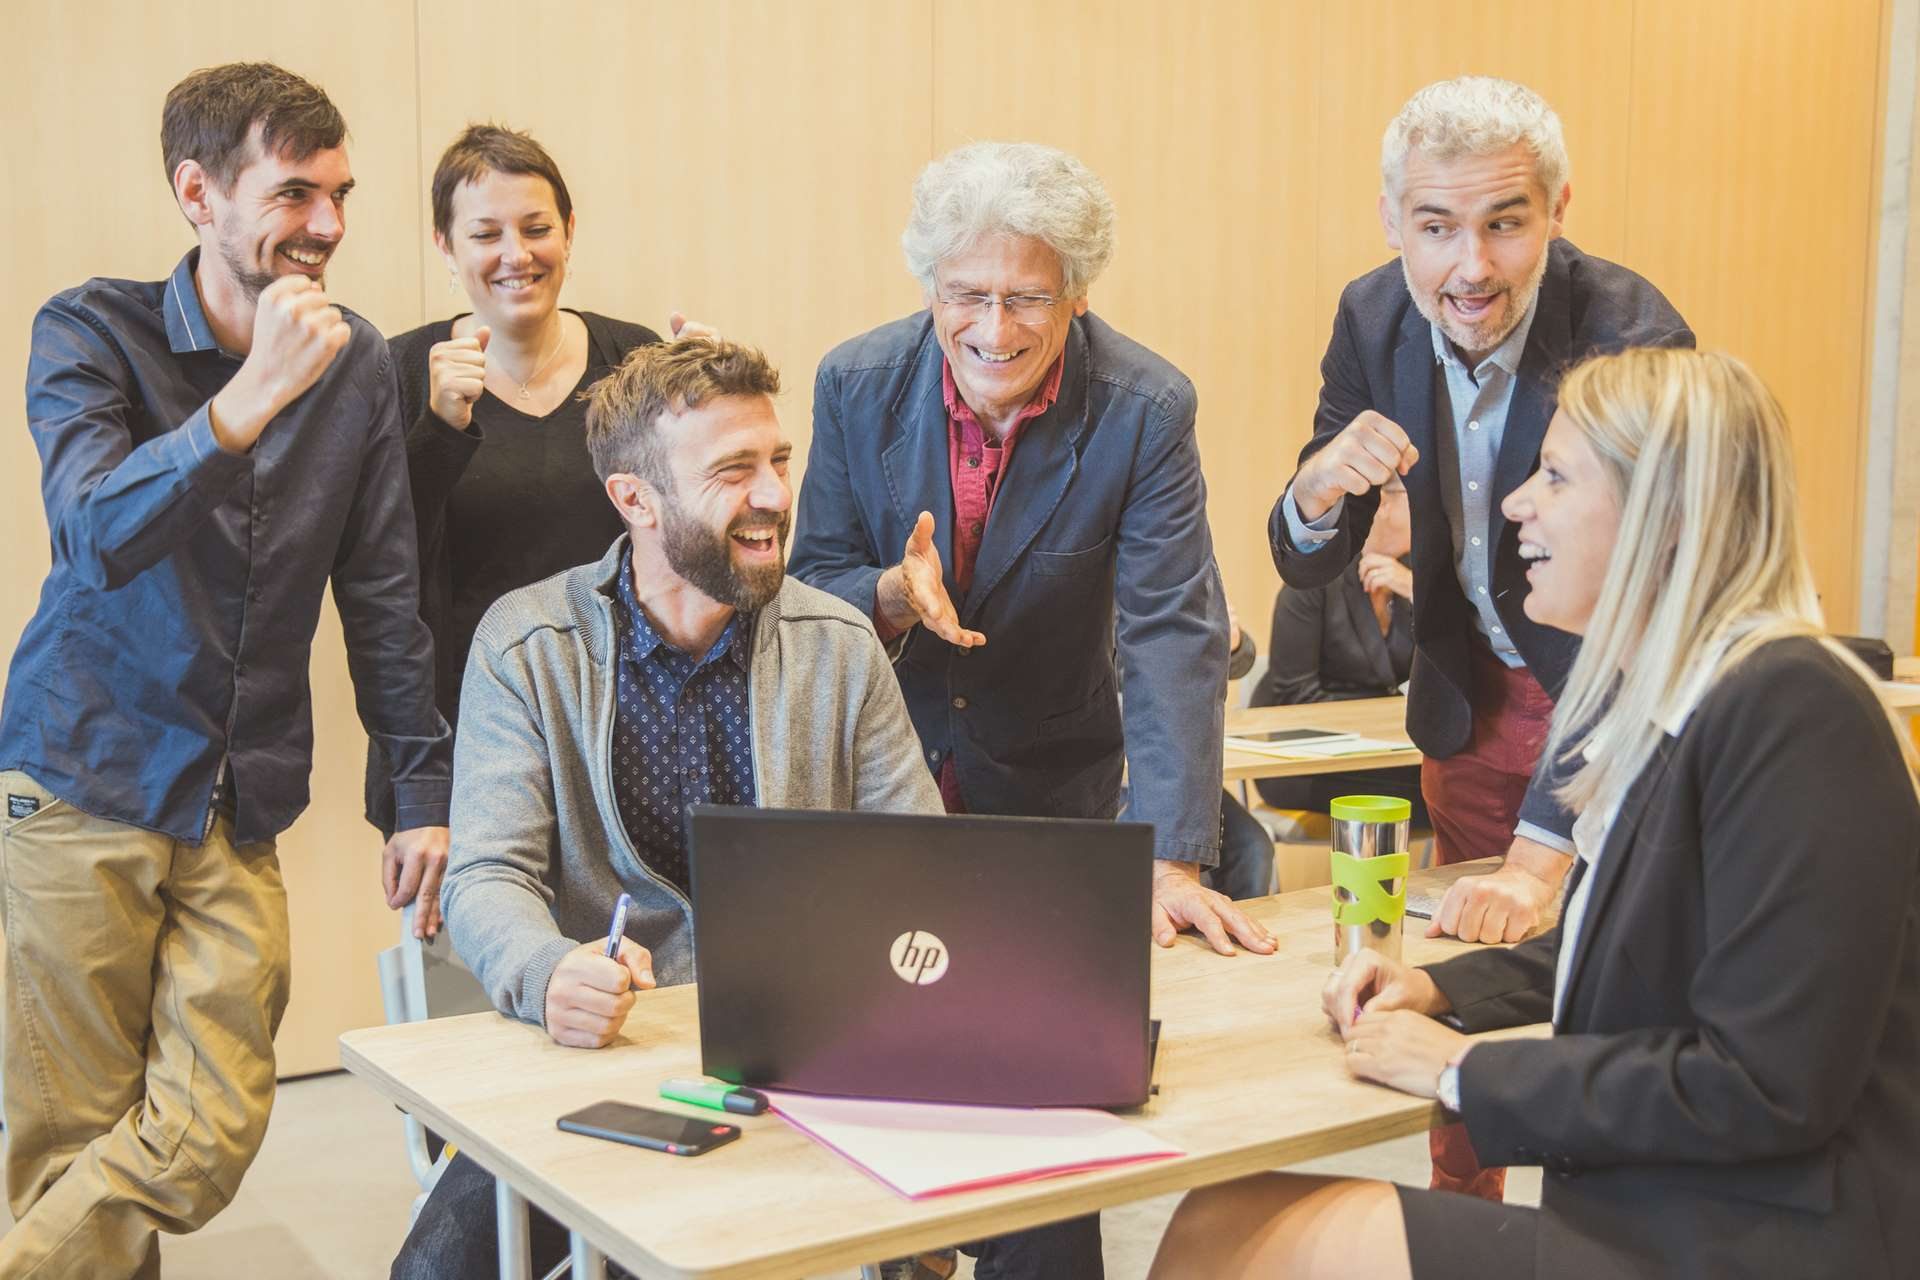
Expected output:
(1008, 487)
(1442, 368)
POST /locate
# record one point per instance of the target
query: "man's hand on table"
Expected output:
(1385, 1012)
(589, 995)
(1180, 901)
(1503, 905)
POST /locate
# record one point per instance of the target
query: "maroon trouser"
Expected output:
(1473, 799)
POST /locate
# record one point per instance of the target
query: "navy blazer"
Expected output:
(1099, 529)
(1381, 358)
(1732, 1087)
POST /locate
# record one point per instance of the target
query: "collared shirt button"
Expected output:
(1496, 631)
(960, 704)
(1474, 485)
(1481, 590)
(976, 528)
(973, 459)
(1473, 426)
(1476, 542)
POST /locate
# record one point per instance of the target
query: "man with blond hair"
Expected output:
(1442, 369)
(686, 667)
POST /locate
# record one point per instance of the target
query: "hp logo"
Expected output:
(919, 958)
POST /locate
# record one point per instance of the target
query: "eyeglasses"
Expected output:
(1022, 308)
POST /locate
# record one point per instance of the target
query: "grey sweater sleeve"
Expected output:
(496, 894)
(889, 771)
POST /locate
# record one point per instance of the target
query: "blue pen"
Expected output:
(619, 927)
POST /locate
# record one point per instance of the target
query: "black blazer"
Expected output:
(1381, 358)
(1734, 1084)
(1326, 645)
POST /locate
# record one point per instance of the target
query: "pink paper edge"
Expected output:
(981, 1184)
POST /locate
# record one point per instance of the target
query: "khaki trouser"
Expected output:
(145, 981)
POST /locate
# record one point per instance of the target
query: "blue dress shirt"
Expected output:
(681, 732)
(172, 640)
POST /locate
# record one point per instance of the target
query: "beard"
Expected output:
(704, 557)
(247, 274)
(1481, 337)
(250, 278)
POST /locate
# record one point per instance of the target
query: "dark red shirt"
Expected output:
(976, 463)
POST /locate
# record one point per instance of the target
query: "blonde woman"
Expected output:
(1733, 1083)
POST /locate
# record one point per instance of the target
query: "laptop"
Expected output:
(996, 961)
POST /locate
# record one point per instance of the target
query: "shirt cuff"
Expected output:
(421, 804)
(887, 632)
(1172, 850)
(213, 466)
(1310, 535)
(1540, 835)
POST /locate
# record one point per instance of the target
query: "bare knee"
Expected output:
(1213, 1227)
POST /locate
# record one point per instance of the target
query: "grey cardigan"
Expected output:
(539, 852)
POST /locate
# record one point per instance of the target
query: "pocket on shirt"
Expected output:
(1067, 564)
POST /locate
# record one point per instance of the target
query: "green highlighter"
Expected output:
(739, 1100)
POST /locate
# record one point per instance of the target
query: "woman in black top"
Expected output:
(503, 491)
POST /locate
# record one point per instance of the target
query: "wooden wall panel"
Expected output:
(744, 162)
(91, 81)
(1200, 121)
(1372, 61)
(1753, 151)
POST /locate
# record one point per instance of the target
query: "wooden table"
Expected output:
(1383, 718)
(1250, 1078)
(1386, 718)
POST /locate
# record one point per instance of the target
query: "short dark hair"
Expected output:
(491, 148)
(624, 407)
(210, 116)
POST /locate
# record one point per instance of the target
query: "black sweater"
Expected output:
(504, 504)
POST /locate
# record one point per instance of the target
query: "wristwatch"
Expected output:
(1447, 1087)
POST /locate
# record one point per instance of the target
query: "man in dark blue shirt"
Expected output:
(216, 448)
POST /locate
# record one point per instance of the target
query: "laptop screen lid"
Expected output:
(999, 961)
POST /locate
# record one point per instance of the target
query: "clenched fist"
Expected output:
(456, 375)
(296, 335)
(1367, 453)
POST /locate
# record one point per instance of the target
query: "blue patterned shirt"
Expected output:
(681, 734)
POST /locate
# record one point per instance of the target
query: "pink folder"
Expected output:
(923, 1149)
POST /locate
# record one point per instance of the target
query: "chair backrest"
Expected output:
(1250, 682)
(420, 980)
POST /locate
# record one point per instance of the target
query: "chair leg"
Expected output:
(588, 1263)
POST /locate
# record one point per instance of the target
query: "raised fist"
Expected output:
(456, 375)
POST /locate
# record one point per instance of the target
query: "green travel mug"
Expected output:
(1370, 864)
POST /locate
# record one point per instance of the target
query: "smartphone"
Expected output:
(1292, 735)
(644, 1127)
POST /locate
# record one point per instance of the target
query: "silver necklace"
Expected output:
(535, 375)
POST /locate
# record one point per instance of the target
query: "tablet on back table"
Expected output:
(1001, 961)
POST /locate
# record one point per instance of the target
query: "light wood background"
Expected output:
(748, 161)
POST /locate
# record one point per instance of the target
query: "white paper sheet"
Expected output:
(922, 1149)
(1320, 749)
